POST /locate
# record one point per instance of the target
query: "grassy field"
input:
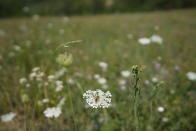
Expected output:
(26, 43)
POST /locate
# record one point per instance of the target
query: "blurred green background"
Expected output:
(71, 7)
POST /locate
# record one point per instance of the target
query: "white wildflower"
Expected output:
(52, 112)
(97, 99)
(71, 81)
(102, 81)
(60, 73)
(62, 102)
(17, 47)
(35, 69)
(155, 79)
(191, 76)
(161, 109)
(96, 76)
(144, 41)
(45, 100)
(103, 65)
(8, 117)
(165, 119)
(122, 82)
(59, 83)
(125, 73)
(51, 77)
(22, 80)
(59, 88)
(156, 39)
(25, 98)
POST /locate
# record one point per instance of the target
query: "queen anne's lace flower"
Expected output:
(191, 76)
(97, 99)
(52, 112)
(144, 41)
(8, 117)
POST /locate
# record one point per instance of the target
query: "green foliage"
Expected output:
(71, 7)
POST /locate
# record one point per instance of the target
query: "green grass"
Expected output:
(104, 38)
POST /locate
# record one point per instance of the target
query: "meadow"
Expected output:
(106, 47)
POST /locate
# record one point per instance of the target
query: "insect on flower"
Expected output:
(97, 99)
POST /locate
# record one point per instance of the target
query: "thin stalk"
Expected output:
(72, 107)
(136, 103)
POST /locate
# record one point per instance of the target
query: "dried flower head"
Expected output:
(65, 59)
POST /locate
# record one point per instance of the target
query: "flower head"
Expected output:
(191, 76)
(8, 117)
(156, 39)
(97, 99)
(65, 59)
(125, 73)
(52, 112)
(144, 41)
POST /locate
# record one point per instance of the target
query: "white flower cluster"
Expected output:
(59, 86)
(97, 99)
(191, 76)
(36, 74)
(103, 65)
(125, 73)
(8, 117)
(154, 39)
(52, 112)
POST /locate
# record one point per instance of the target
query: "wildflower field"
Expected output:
(120, 72)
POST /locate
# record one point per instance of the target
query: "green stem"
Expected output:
(72, 107)
(136, 104)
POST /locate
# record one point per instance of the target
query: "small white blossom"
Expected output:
(144, 41)
(156, 39)
(125, 73)
(8, 117)
(17, 47)
(97, 99)
(59, 88)
(165, 119)
(60, 73)
(103, 65)
(96, 76)
(62, 102)
(59, 83)
(22, 80)
(155, 79)
(102, 81)
(35, 69)
(46, 100)
(161, 109)
(52, 112)
(51, 77)
(71, 81)
(122, 82)
(191, 76)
